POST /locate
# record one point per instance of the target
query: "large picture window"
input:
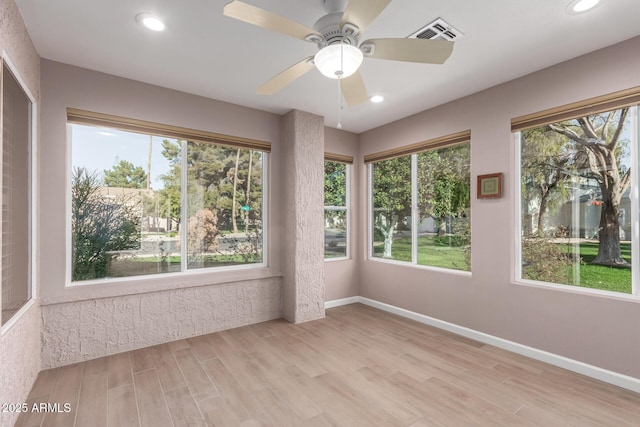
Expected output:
(578, 215)
(16, 195)
(336, 214)
(421, 204)
(143, 203)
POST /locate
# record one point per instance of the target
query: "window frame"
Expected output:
(412, 150)
(609, 102)
(348, 162)
(32, 153)
(99, 120)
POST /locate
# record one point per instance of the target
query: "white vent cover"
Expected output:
(437, 30)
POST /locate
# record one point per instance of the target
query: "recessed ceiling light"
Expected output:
(151, 22)
(579, 6)
(376, 98)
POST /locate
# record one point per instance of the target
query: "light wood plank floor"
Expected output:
(358, 367)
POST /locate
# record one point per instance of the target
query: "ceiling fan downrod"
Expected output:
(340, 73)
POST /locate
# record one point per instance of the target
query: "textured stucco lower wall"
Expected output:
(84, 330)
(19, 361)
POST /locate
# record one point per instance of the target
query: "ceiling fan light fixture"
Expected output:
(338, 60)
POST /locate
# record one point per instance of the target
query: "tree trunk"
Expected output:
(543, 208)
(235, 186)
(442, 226)
(149, 175)
(246, 213)
(386, 225)
(601, 160)
(609, 245)
(388, 239)
(149, 163)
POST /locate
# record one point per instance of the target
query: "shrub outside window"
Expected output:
(147, 204)
(421, 206)
(578, 216)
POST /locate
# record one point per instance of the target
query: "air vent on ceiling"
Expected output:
(437, 30)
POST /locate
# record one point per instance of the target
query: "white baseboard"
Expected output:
(339, 302)
(620, 380)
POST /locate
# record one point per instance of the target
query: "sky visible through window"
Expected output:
(99, 149)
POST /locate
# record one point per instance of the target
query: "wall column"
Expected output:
(302, 222)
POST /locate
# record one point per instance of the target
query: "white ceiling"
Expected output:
(205, 53)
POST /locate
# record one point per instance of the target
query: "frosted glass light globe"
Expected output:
(338, 60)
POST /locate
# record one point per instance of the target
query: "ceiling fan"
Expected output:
(337, 35)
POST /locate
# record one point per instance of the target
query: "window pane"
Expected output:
(125, 204)
(335, 210)
(224, 206)
(444, 233)
(335, 184)
(16, 141)
(335, 233)
(391, 191)
(576, 206)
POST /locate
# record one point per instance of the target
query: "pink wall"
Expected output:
(598, 330)
(20, 341)
(87, 321)
(65, 308)
(341, 278)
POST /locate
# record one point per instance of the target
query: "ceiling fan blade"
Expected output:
(286, 77)
(408, 50)
(353, 89)
(362, 13)
(265, 19)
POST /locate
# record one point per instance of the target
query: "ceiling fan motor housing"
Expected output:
(332, 32)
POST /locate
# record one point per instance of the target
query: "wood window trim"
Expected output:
(338, 158)
(598, 104)
(419, 147)
(90, 118)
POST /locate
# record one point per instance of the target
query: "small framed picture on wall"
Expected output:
(490, 186)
